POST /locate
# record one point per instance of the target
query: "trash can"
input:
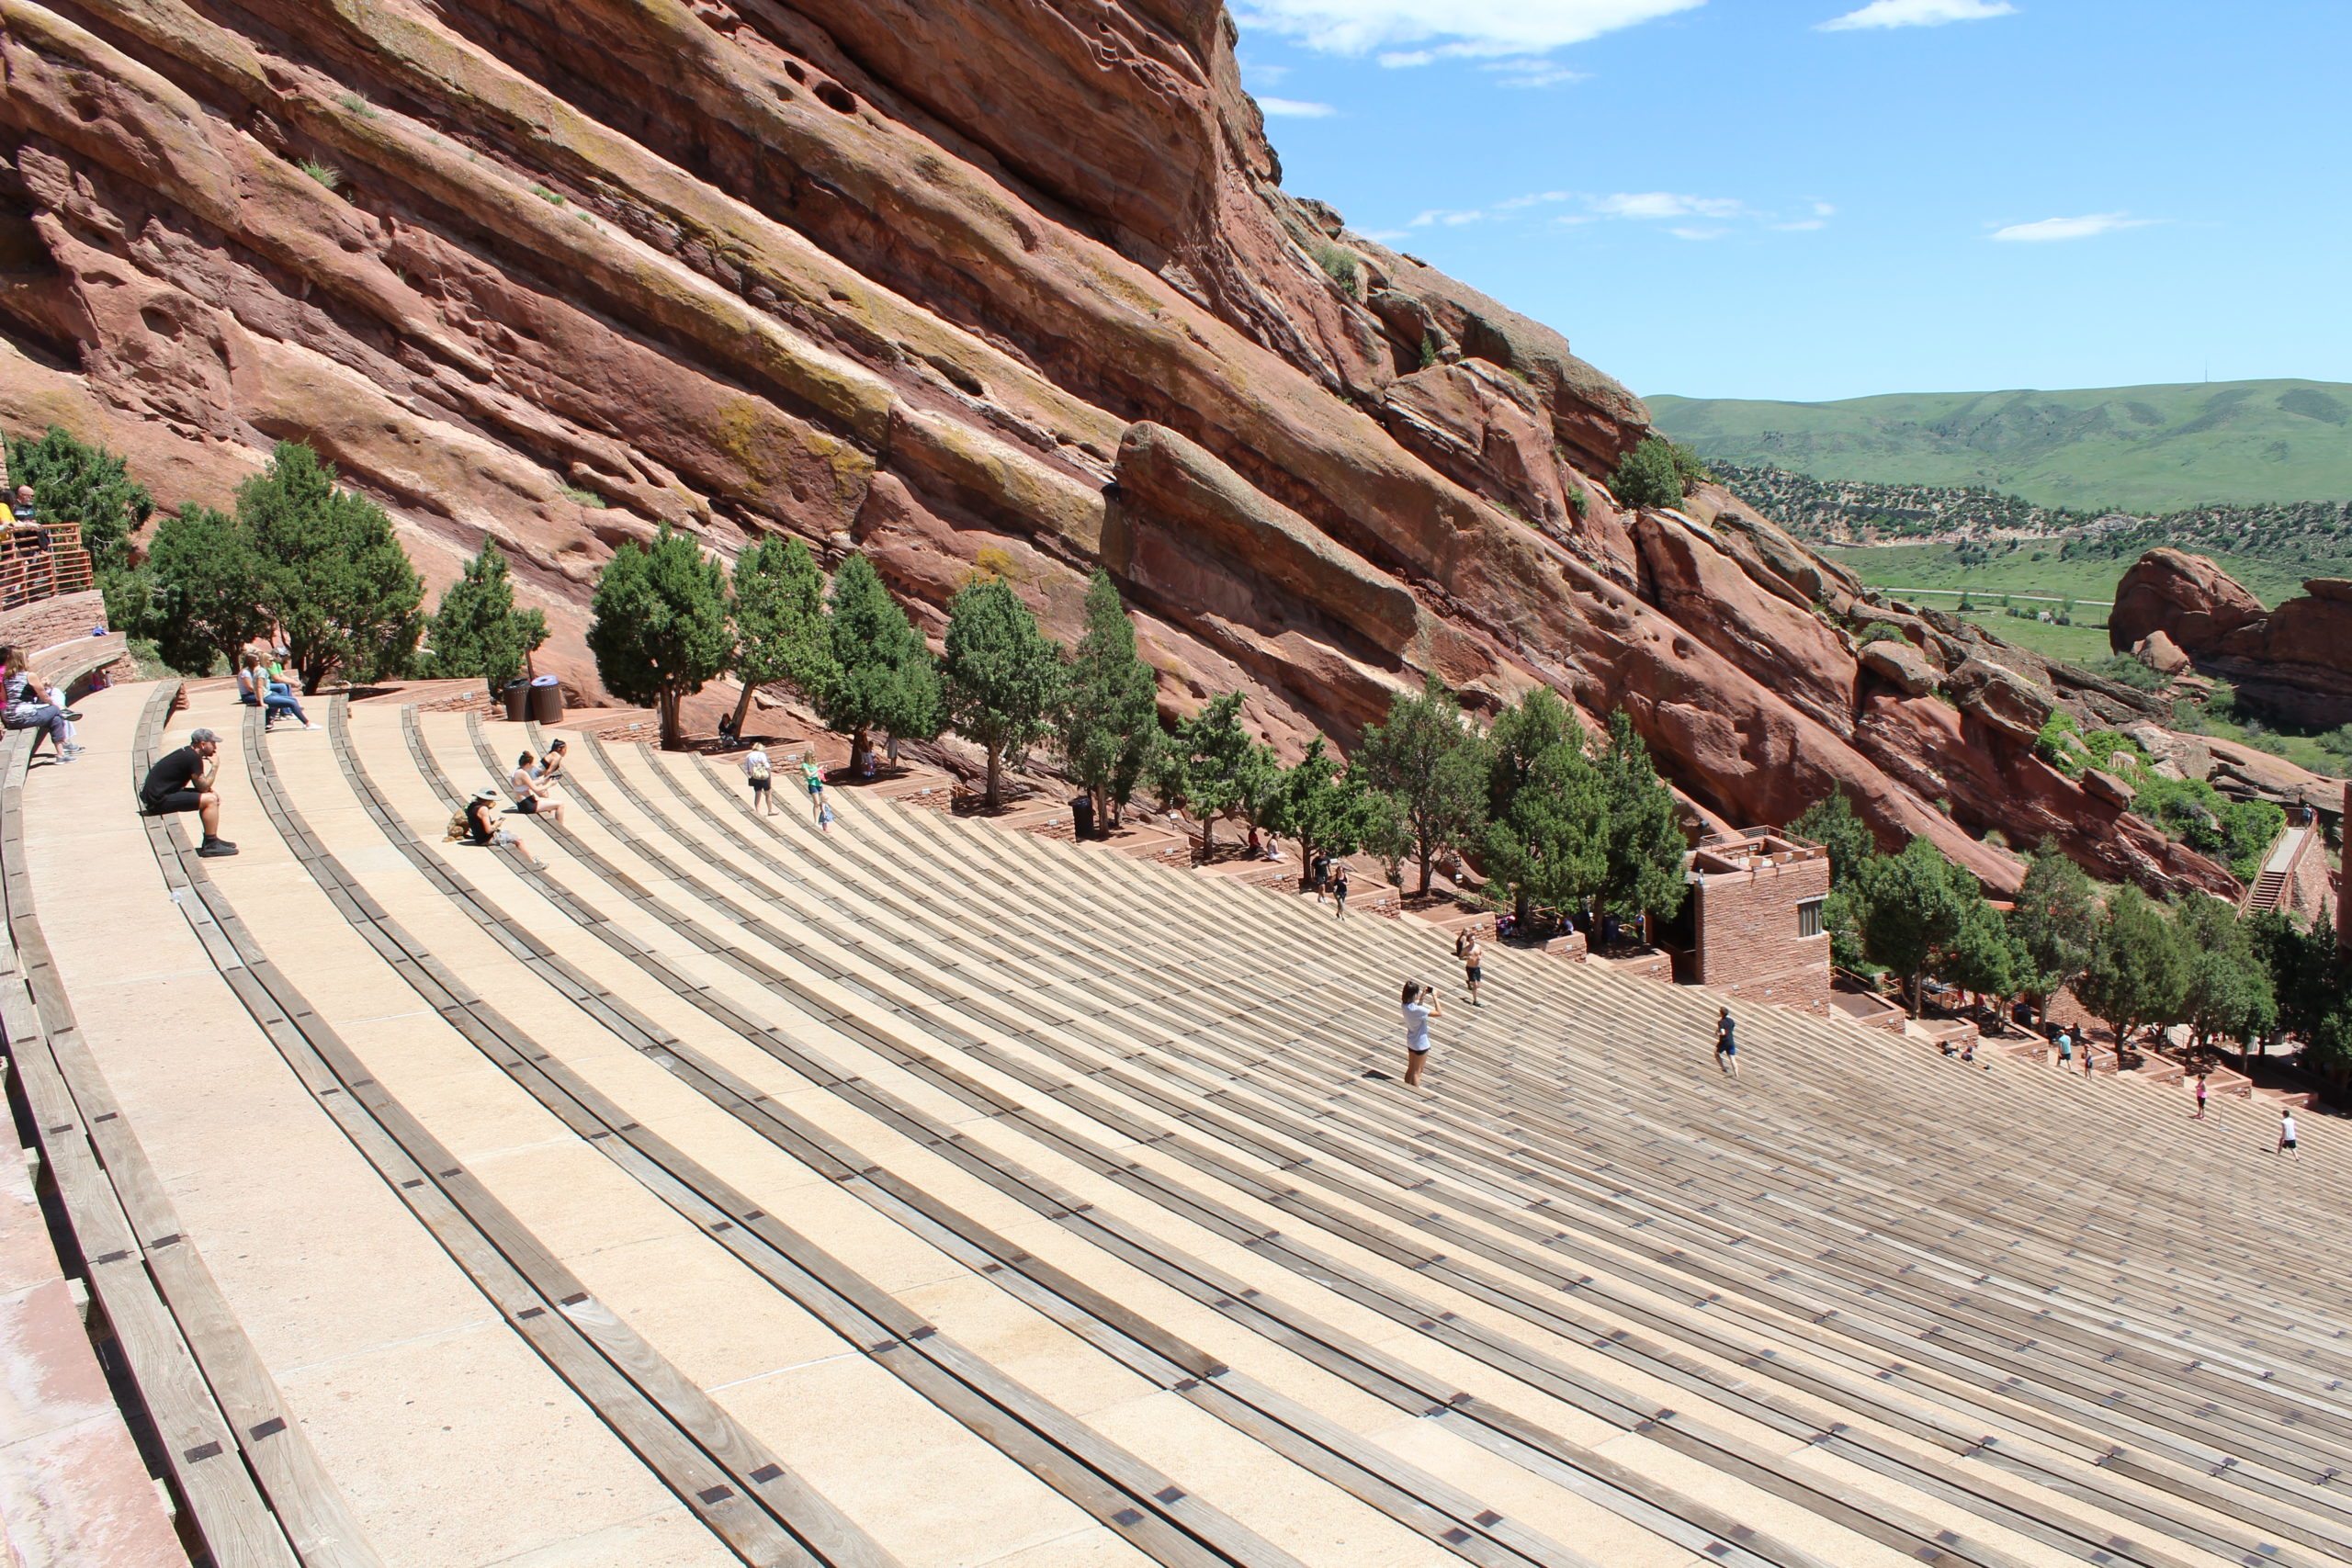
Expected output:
(517, 696)
(547, 700)
(1081, 816)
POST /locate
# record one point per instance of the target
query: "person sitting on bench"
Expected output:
(256, 687)
(531, 800)
(182, 780)
(26, 707)
(550, 768)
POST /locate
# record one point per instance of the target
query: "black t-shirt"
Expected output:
(172, 773)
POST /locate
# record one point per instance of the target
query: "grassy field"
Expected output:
(2033, 568)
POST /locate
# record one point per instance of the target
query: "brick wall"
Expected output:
(48, 621)
(1746, 940)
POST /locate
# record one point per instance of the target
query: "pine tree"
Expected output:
(661, 627)
(2230, 994)
(333, 575)
(1645, 843)
(476, 630)
(1549, 847)
(1435, 768)
(883, 677)
(1002, 676)
(1523, 732)
(1110, 718)
(199, 596)
(75, 483)
(1650, 476)
(2055, 920)
(780, 631)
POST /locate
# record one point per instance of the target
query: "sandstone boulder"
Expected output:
(2160, 653)
(2001, 697)
(1900, 664)
(2187, 597)
(2108, 788)
(2176, 755)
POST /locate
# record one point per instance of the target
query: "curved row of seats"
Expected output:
(923, 1193)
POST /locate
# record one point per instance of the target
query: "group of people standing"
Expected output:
(759, 770)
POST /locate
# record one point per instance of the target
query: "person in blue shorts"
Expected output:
(1726, 1044)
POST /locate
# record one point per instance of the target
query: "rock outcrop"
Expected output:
(2295, 661)
(949, 282)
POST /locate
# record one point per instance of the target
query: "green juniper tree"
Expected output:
(1433, 766)
(2139, 968)
(1002, 676)
(2230, 994)
(333, 575)
(1323, 806)
(2056, 921)
(1657, 473)
(883, 677)
(1910, 908)
(476, 630)
(75, 483)
(780, 631)
(1218, 758)
(661, 627)
(199, 595)
(1549, 845)
(1645, 873)
(1110, 718)
(1831, 823)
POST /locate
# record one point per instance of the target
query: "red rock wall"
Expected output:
(46, 622)
(939, 280)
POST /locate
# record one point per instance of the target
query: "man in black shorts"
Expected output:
(182, 780)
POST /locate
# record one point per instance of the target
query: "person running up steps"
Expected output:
(530, 799)
(1726, 1044)
(1466, 948)
(1339, 891)
(814, 778)
(1421, 1006)
(182, 780)
(2286, 1131)
(762, 773)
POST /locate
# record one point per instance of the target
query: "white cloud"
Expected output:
(1291, 109)
(1259, 74)
(1404, 59)
(1918, 14)
(2081, 228)
(1698, 233)
(1455, 26)
(1530, 71)
(1455, 218)
(1516, 202)
(1665, 204)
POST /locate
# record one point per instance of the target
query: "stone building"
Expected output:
(1753, 924)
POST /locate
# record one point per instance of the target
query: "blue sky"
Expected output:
(1729, 198)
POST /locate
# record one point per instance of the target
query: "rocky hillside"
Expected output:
(1856, 512)
(928, 280)
(2294, 662)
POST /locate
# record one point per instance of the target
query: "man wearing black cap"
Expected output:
(182, 780)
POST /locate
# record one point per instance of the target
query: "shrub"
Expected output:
(1649, 476)
(1342, 268)
(2060, 744)
(2126, 670)
(353, 103)
(326, 175)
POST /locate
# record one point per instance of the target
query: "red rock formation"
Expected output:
(932, 278)
(2295, 661)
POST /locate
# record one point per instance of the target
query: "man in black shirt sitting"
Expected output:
(182, 780)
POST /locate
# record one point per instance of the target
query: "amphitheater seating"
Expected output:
(688, 1187)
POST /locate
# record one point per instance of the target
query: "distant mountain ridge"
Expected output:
(2139, 449)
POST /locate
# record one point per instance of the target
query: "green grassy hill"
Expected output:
(2139, 449)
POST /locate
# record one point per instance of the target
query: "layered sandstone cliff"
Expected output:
(926, 279)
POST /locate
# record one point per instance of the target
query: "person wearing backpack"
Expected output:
(762, 773)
